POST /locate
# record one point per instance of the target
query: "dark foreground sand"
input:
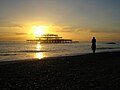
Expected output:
(99, 71)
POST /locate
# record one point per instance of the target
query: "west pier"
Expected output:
(51, 38)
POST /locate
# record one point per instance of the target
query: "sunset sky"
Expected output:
(75, 19)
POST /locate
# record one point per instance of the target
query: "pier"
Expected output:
(50, 38)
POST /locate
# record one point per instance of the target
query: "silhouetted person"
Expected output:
(93, 44)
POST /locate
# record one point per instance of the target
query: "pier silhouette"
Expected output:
(50, 38)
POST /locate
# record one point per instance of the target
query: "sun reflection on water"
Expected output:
(39, 55)
(38, 47)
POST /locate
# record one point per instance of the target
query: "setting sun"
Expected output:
(38, 30)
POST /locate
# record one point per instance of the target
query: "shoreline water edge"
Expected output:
(27, 51)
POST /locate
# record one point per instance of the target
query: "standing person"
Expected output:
(93, 44)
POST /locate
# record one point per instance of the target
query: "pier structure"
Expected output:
(51, 38)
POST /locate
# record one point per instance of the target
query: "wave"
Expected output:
(35, 51)
(7, 54)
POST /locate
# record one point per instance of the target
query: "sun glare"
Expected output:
(39, 30)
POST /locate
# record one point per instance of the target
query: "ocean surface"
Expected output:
(10, 51)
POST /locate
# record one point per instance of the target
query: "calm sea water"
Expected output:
(22, 50)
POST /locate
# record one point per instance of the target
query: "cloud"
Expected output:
(9, 24)
(11, 33)
(64, 28)
(79, 29)
(76, 29)
(21, 33)
(6, 33)
(104, 31)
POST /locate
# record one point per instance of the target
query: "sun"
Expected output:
(38, 30)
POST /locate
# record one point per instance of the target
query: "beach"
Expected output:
(99, 71)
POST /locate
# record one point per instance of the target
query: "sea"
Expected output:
(12, 51)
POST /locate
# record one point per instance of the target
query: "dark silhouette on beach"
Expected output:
(93, 44)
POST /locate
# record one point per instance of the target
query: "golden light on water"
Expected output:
(39, 55)
(38, 47)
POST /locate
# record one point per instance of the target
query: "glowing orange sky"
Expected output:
(75, 19)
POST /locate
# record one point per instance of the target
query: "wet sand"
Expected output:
(100, 71)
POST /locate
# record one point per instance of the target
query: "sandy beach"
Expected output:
(100, 71)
